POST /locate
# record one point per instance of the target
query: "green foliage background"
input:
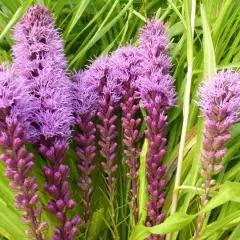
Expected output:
(94, 27)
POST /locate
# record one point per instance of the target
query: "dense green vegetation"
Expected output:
(205, 37)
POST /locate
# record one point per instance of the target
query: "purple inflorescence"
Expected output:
(85, 103)
(157, 95)
(109, 91)
(13, 102)
(154, 42)
(126, 68)
(220, 104)
(40, 48)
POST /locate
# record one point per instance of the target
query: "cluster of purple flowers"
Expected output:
(52, 103)
(13, 100)
(41, 105)
(220, 103)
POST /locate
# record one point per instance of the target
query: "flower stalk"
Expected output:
(219, 103)
(126, 68)
(85, 102)
(13, 102)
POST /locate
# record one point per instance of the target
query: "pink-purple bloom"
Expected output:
(38, 44)
(157, 94)
(220, 104)
(154, 42)
(126, 65)
(13, 103)
(85, 103)
(40, 63)
(109, 91)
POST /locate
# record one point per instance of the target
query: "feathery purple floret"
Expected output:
(109, 91)
(38, 44)
(220, 104)
(154, 42)
(126, 68)
(157, 89)
(153, 38)
(13, 102)
(39, 60)
(157, 95)
(85, 103)
(40, 48)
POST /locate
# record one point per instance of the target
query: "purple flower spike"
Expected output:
(85, 101)
(154, 42)
(38, 44)
(125, 65)
(157, 96)
(109, 91)
(220, 104)
(57, 176)
(18, 160)
(40, 62)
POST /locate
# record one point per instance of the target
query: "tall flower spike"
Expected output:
(154, 42)
(220, 104)
(109, 89)
(13, 101)
(85, 100)
(38, 44)
(40, 62)
(157, 96)
(126, 68)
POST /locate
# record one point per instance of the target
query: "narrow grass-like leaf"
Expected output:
(19, 13)
(142, 190)
(76, 16)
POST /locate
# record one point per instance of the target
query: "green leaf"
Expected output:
(76, 16)
(19, 13)
(235, 130)
(173, 223)
(209, 54)
(230, 191)
(142, 189)
(97, 224)
(218, 225)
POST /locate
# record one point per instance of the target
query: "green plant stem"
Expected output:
(203, 204)
(190, 30)
(112, 211)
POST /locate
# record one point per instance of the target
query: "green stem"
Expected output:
(190, 37)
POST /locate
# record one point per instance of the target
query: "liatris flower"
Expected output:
(39, 45)
(39, 60)
(125, 65)
(157, 96)
(109, 89)
(220, 104)
(85, 100)
(13, 101)
(154, 42)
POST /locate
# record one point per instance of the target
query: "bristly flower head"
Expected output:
(9, 90)
(157, 91)
(51, 114)
(154, 43)
(221, 93)
(39, 61)
(14, 98)
(153, 37)
(126, 64)
(99, 74)
(84, 94)
(38, 44)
